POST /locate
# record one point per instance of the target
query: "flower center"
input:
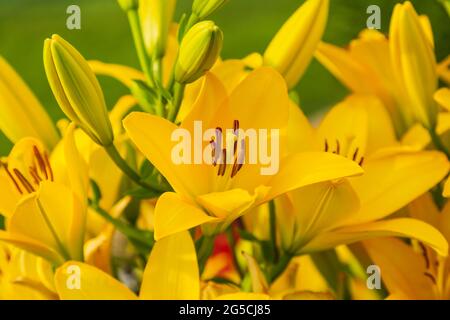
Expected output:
(351, 153)
(230, 156)
(40, 170)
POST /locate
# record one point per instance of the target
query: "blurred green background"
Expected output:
(248, 26)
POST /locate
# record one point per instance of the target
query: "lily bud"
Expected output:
(198, 52)
(128, 5)
(292, 48)
(414, 64)
(21, 114)
(203, 8)
(77, 90)
(156, 17)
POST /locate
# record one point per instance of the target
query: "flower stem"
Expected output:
(438, 143)
(143, 237)
(177, 100)
(232, 244)
(205, 246)
(138, 39)
(123, 165)
(279, 268)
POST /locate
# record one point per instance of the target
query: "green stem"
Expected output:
(177, 99)
(273, 230)
(232, 244)
(157, 70)
(279, 268)
(205, 248)
(144, 237)
(138, 39)
(123, 165)
(438, 143)
(193, 19)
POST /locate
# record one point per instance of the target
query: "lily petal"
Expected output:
(124, 74)
(94, 284)
(403, 269)
(243, 296)
(305, 168)
(33, 246)
(172, 270)
(174, 214)
(186, 179)
(261, 90)
(230, 205)
(401, 227)
(396, 178)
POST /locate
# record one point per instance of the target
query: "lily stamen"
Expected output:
(5, 166)
(27, 185)
(238, 157)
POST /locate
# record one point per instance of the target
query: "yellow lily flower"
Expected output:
(166, 277)
(21, 114)
(38, 225)
(292, 48)
(24, 276)
(414, 63)
(373, 64)
(204, 197)
(418, 137)
(29, 164)
(343, 211)
(33, 201)
(415, 272)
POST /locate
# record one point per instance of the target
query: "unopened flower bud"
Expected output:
(203, 8)
(127, 5)
(198, 52)
(156, 17)
(292, 48)
(77, 90)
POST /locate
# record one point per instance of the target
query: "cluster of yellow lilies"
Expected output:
(95, 207)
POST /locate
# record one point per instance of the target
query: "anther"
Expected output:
(361, 161)
(223, 164)
(236, 125)
(355, 155)
(425, 254)
(34, 174)
(49, 167)
(338, 147)
(326, 145)
(24, 181)
(5, 166)
(40, 161)
(429, 275)
(213, 151)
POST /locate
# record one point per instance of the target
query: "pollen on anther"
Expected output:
(361, 161)
(355, 155)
